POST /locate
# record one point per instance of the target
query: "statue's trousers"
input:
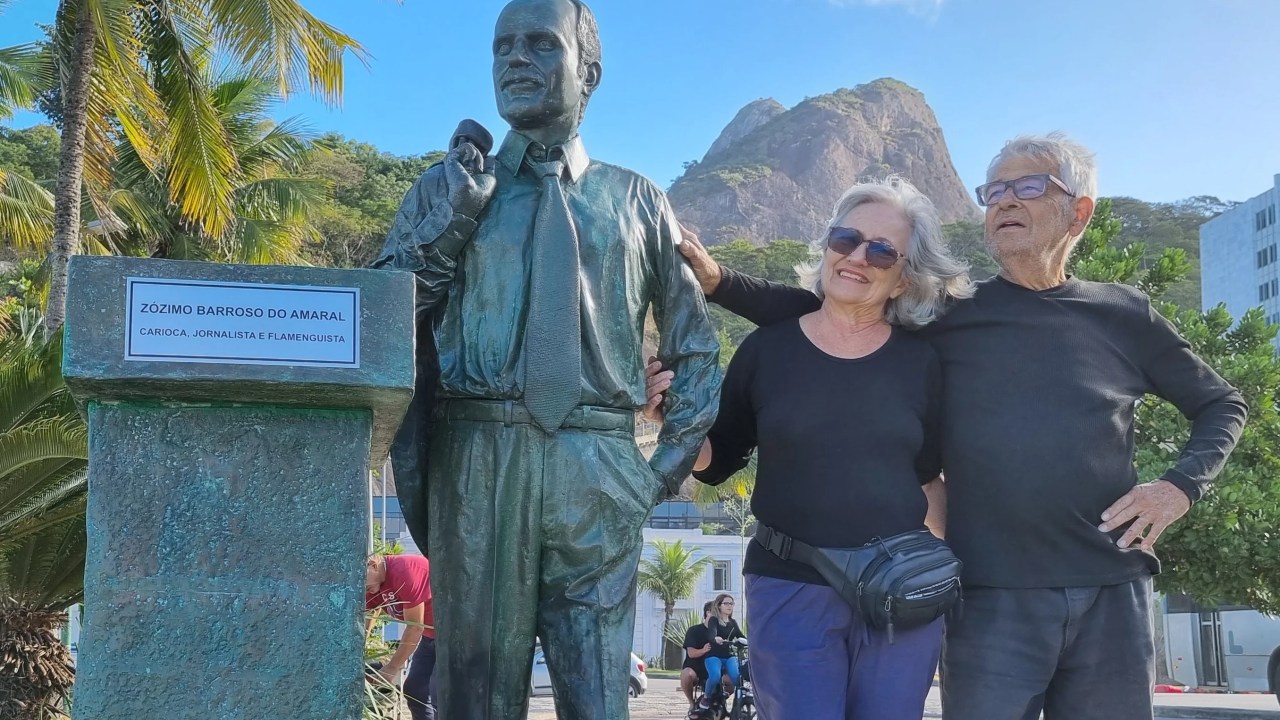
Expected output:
(534, 534)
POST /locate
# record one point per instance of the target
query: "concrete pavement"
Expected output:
(664, 701)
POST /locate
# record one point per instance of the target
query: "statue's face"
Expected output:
(535, 64)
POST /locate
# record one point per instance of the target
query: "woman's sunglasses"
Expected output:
(880, 254)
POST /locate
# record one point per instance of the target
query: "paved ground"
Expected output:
(665, 702)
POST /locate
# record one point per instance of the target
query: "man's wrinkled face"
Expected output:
(535, 64)
(1034, 226)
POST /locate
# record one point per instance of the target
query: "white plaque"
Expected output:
(243, 323)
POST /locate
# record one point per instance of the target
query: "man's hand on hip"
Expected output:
(1155, 505)
(705, 268)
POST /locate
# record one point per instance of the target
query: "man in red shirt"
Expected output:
(400, 585)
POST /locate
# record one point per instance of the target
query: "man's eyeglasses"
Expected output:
(845, 241)
(1024, 188)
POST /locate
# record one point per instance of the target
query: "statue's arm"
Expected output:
(427, 237)
(688, 347)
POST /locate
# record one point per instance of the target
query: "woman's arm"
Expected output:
(760, 301)
(936, 517)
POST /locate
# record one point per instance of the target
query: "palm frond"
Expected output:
(285, 146)
(179, 245)
(281, 199)
(241, 95)
(58, 503)
(201, 166)
(61, 437)
(19, 486)
(31, 377)
(26, 212)
(142, 212)
(281, 39)
(45, 570)
(25, 71)
(265, 242)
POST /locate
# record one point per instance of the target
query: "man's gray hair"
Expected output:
(589, 51)
(1077, 166)
(934, 278)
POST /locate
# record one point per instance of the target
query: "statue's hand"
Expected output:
(469, 192)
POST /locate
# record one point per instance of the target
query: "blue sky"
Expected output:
(1178, 97)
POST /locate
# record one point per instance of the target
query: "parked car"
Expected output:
(540, 678)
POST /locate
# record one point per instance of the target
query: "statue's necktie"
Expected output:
(553, 332)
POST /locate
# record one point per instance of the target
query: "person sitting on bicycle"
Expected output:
(721, 658)
(697, 643)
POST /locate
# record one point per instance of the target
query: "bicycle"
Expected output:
(743, 705)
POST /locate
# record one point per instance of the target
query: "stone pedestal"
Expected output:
(233, 412)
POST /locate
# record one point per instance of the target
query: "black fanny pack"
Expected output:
(903, 581)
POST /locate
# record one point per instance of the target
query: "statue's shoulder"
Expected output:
(625, 178)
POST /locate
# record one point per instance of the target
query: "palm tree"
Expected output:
(136, 69)
(671, 575)
(43, 462)
(271, 208)
(271, 211)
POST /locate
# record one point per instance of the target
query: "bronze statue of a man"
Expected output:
(536, 268)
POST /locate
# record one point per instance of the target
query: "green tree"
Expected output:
(43, 464)
(32, 152)
(137, 69)
(966, 241)
(671, 575)
(1227, 548)
(774, 261)
(368, 186)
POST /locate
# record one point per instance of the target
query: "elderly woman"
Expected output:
(842, 406)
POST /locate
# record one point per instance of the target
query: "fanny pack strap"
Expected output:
(784, 546)
(841, 567)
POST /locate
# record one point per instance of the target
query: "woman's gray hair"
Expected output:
(934, 278)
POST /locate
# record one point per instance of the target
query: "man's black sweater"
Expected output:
(1039, 392)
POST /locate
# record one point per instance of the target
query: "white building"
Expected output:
(1239, 261)
(724, 576)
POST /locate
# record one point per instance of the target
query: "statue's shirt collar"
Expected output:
(516, 146)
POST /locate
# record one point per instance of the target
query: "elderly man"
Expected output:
(536, 269)
(1042, 371)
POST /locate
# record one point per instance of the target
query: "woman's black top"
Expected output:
(843, 444)
(727, 630)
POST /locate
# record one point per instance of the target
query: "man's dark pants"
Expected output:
(417, 685)
(1082, 653)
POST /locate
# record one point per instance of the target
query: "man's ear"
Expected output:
(1083, 214)
(591, 76)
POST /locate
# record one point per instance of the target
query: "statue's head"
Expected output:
(546, 63)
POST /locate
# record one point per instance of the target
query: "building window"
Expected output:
(720, 577)
(1262, 292)
(1271, 251)
(1271, 215)
(1275, 288)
